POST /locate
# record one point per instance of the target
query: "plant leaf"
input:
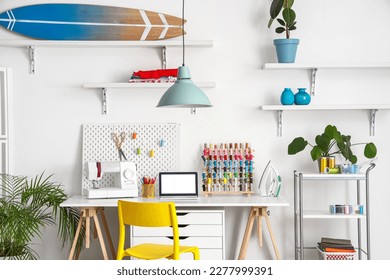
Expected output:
(281, 22)
(338, 137)
(276, 7)
(289, 16)
(323, 142)
(280, 30)
(297, 145)
(353, 159)
(330, 130)
(370, 150)
(292, 27)
(288, 3)
(316, 153)
(271, 20)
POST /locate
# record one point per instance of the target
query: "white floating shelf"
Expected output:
(325, 107)
(373, 108)
(320, 176)
(325, 65)
(323, 214)
(143, 85)
(31, 45)
(103, 87)
(315, 66)
(104, 44)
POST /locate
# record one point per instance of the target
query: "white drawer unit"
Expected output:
(203, 228)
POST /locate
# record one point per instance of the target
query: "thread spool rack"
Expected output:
(227, 169)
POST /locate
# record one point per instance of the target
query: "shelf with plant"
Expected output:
(330, 143)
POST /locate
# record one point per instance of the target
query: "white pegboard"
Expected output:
(99, 146)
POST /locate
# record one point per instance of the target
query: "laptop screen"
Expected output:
(178, 184)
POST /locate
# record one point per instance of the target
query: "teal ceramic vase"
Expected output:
(302, 97)
(287, 97)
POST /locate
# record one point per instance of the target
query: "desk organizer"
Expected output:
(227, 169)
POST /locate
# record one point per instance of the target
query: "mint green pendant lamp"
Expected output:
(184, 93)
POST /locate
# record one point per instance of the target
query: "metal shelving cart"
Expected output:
(300, 214)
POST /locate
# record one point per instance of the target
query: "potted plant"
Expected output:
(286, 49)
(330, 143)
(27, 206)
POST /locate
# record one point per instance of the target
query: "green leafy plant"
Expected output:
(27, 206)
(287, 21)
(329, 143)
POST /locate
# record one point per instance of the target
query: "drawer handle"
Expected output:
(182, 214)
(181, 226)
(180, 237)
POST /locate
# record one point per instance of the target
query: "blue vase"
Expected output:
(302, 97)
(287, 97)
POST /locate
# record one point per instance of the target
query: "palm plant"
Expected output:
(27, 206)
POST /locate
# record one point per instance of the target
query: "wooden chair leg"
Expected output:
(107, 230)
(247, 234)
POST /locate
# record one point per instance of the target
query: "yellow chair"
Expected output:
(150, 214)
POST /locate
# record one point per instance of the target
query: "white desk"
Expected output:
(258, 209)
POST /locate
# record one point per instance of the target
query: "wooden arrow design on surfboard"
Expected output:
(90, 22)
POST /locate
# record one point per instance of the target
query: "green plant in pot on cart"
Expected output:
(27, 207)
(286, 49)
(330, 143)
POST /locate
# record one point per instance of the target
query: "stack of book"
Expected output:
(333, 245)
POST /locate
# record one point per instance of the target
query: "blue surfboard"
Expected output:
(89, 22)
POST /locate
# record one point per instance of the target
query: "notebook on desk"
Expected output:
(178, 185)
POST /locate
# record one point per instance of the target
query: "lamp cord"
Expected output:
(182, 29)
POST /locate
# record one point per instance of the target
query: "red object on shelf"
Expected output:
(155, 74)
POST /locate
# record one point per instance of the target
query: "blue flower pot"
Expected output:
(302, 97)
(286, 50)
(287, 97)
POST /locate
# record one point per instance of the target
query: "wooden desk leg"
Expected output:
(85, 216)
(87, 227)
(76, 237)
(259, 229)
(265, 215)
(247, 234)
(100, 235)
(107, 230)
(94, 232)
(257, 213)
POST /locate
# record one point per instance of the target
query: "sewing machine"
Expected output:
(125, 179)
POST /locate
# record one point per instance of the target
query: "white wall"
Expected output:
(50, 106)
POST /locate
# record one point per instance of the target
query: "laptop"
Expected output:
(178, 185)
